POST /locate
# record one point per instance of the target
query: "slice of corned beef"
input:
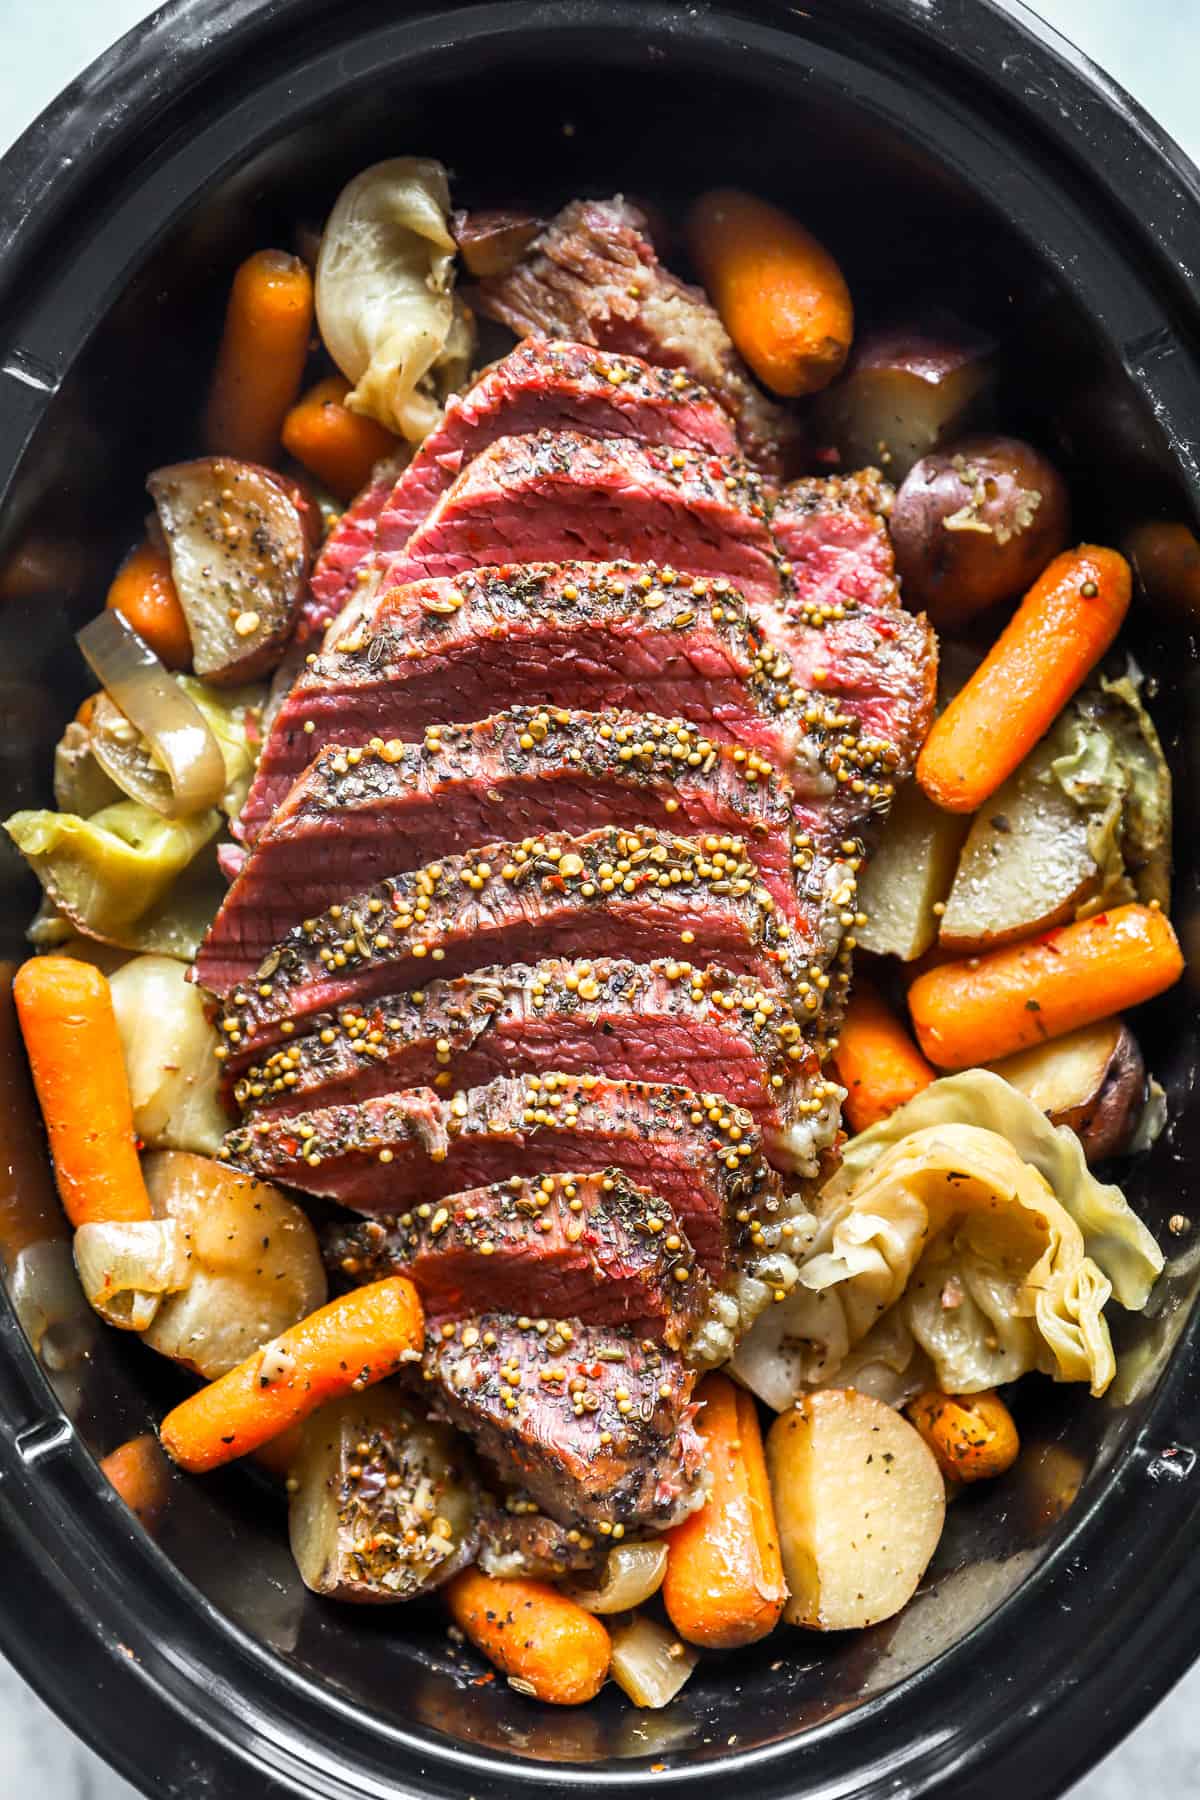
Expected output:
(596, 1425)
(357, 815)
(644, 894)
(543, 386)
(575, 634)
(593, 276)
(849, 637)
(345, 552)
(662, 1022)
(701, 1155)
(516, 1540)
(591, 1246)
(554, 495)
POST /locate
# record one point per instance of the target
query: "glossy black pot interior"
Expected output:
(949, 155)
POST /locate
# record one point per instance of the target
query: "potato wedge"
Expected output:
(1027, 863)
(239, 554)
(1093, 1080)
(906, 392)
(382, 1500)
(254, 1263)
(908, 875)
(860, 1504)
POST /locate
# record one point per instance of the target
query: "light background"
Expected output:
(1153, 48)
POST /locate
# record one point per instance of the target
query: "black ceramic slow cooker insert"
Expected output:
(950, 153)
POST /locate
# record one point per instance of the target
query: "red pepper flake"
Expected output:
(483, 1681)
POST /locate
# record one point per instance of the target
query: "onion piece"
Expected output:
(631, 1574)
(177, 733)
(649, 1662)
(127, 1266)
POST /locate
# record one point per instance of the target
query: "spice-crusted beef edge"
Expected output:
(356, 815)
(663, 1021)
(595, 1425)
(587, 635)
(647, 893)
(543, 386)
(701, 1155)
(560, 494)
(593, 1246)
(518, 1540)
(593, 276)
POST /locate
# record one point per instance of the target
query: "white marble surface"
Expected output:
(1153, 47)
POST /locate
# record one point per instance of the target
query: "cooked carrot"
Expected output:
(548, 1646)
(876, 1061)
(144, 593)
(984, 1008)
(351, 1343)
(336, 445)
(29, 1209)
(724, 1583)
(70, 1033)
(141, 1475)
(1053, 641)
(973, 1436)
(264, 347)
(781, 296)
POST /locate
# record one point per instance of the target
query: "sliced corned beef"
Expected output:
(593, 276)
(544, 386)
(516, 1540)
(554, 495)
(591, 1246)
(663, 1021)
(576, 634)
(849, 637)
(645, 894)
(594, 1424)
(703, 1156)
(357, 815)
(345, 552)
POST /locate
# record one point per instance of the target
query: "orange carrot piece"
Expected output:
(548, 1646)
(70, 1033)
(29, 1209)
(973, 1436)
(351, 1343)
(876, 1061)
(724, 1583)
(988, 1006)
(144, 593)
(141, 1475)
(260, 365)
(781, 296)
(1053, 641)
(336, 445)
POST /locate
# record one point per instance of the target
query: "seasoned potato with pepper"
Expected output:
(905, 391)
(977, 523)
(860, 1503)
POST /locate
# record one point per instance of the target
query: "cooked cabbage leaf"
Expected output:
(385, 302)
(106, 874)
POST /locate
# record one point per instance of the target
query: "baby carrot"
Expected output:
(781, 296)
(1055, 638)
(724, 1583)
(143, 592)
(351, 1343)
(973, 1436)
(264, 347)
(70, 1033)
(141, 1475)
(876, 1061)
(336, 445)
(29, 1208)
(548, 1646)
(976, 1011)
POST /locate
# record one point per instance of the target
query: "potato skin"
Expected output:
(976, 523)
(1106, 1122)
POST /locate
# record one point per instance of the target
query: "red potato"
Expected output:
(904, 394)
(975, 524)
(239, 550)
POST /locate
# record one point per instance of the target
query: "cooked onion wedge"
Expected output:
(1093, 1080)
(649, 1662)
(239, 556)
(630, 1575)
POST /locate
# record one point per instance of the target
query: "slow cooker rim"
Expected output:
(32, 166)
